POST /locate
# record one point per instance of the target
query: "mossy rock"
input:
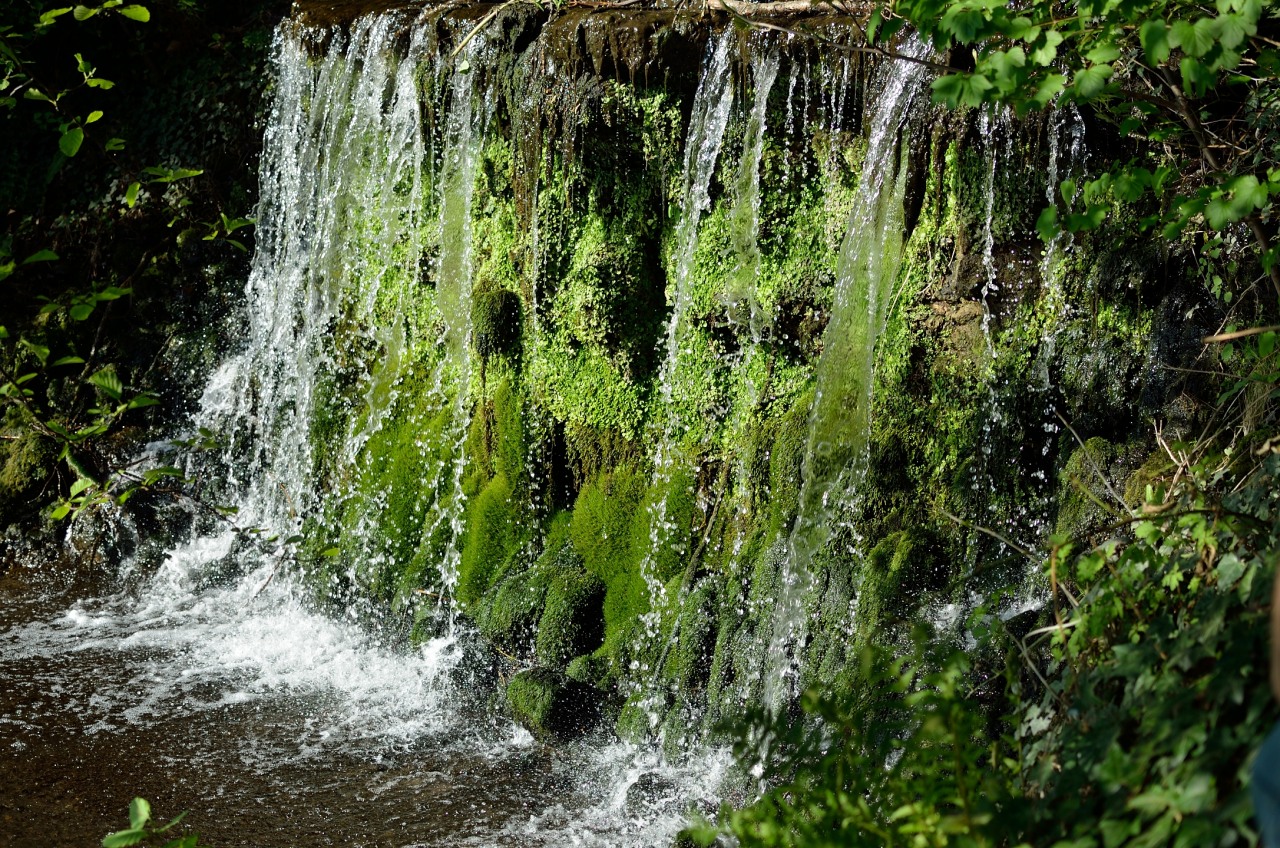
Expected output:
(899, 570)
(551, 706)
(786, 461)
(496, 317)
(1082, 504)
(25, 462)
(590, 668)
(508, 614)
(634, 722)
(601, 531)
(492, 538)
(572, 623)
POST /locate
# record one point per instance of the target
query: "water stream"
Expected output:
(839, 420)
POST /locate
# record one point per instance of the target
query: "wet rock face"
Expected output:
(642, 425)
(551, 706)
(648, 790)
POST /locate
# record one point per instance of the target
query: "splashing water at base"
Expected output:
(274, 725)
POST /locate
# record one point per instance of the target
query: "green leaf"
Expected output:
(1021, 28)
(70, 142)
(1233, 29)
(112, 293)
(123, 838)
(1154, 36)
(1247, 194)
(67, 360)
(230, 225)
(109, 382)
(961, 89)
(171, 175)
(50, 16)
(83, 13)
(1090, 82)
(330, 552)
(1103, 54)
(873, 24)
(41, 256)
(1131, 184)
(1195, 39)
(1196, 78)
(93, 117)
(36, 94)
(174, 823)
(1047, 223)
(1047, 52)
(963, 22)
(131, 194)
(58, 513)
(136, 13)
(1050, 87)
(114, 144)
(81, 311)
(80, 485)
(41, 352)
(98, 82)
(141, 401)
(1005, 66)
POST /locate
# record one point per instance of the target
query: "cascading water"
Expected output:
(839, 421)
(711, 108)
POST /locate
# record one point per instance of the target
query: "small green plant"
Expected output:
(142, 831)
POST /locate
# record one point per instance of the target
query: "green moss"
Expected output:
(688, 661)
(573, 622)
(591, 668)
(601, 531)
(635, 722)
(508, 432)
(508, 614)
(25, 463)
(786, 461)
(493, 536)
(551, 706)
(1085, 505)
(496, 322)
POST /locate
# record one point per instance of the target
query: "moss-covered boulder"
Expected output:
(551, 706)
(496, 316)
(572, 622)
(899, 570)
(507, 616)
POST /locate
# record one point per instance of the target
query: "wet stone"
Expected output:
(551, 706)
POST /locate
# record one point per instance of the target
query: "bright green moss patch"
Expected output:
(493, 535)
(572, 624)
(601, 531)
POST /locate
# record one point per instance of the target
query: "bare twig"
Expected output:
(1240, 334)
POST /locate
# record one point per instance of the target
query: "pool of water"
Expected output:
(272, 725)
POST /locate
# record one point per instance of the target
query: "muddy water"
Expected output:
(275, 726)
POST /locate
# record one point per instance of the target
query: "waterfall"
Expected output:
(839, 421)
(361, 268)
(711, 109)
(741, 301)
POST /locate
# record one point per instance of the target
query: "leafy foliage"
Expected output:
(143, 831)
(1127, 719)
(1186, 82)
